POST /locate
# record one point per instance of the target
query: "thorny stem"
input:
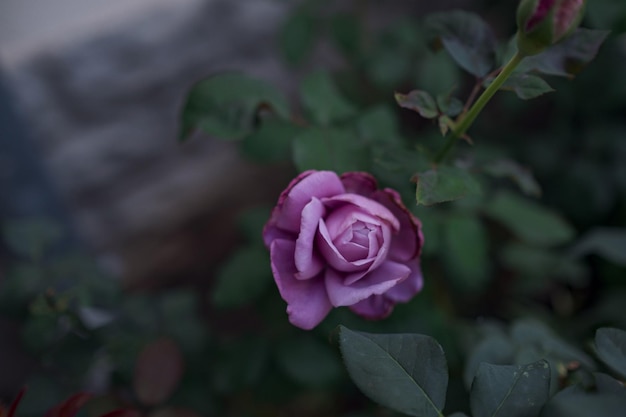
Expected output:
(466, 119)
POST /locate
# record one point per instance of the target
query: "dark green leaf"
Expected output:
(242, 278)
(567, 58)
(495, 349)
(419, 101)
(445, 184)
(332, 149)
(345, 32)
(611, 348)
(309, 362)
(297, 36)
(531, 332)
(506, 168)
(510, 390)
(576, 404)
(271, 142)
(606, 384)
(527, 86)
(458, 414)
(322, 100)
(466, 37)
(449, 105)
(609, 243)
(529, 221)
(405, 372)
(466, 254)
(226, 105)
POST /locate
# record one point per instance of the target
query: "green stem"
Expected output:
(467, 119)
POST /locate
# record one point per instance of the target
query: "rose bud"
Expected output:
(340, 241)
(542, 23)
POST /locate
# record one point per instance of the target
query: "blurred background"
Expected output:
(90, 99)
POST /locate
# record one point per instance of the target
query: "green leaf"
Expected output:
(610, 243)
(309, 362)
(445, 184)
(572, 403)
(226, 105)
(271, 142)
(466, 254)
(405, 372)
(345, 32)
(529, 332)
(566, 58)
(332, 149)
(529, 221)
(495, 349)
(243, 278)
(451, 106)
(322, 101)
(297, 36)
(466, 37)
(510, 390)
(419, 101)
(611, 348)
(527, 86)
(506, 168)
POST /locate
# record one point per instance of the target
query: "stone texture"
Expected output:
(104, 112)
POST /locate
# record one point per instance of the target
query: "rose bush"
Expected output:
(340, 241)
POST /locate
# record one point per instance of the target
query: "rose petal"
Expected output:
(406, 290)
(378, 281)
(343, 218)
(307, 302)
(366, 205)
(299, 193)
(333, 256)
(308, 263)
(271, 233)
(408, 242)
(375, 307)
(359, 183)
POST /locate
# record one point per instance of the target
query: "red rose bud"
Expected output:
(542, 23)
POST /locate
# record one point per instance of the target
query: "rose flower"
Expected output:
(340, 241)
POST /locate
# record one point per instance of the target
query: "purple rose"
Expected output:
(339, 241)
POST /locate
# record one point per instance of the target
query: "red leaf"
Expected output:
(15, 402)
(69, 407)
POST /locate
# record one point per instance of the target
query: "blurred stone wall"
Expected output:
(104, 114)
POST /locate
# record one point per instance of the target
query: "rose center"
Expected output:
(360, 240)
